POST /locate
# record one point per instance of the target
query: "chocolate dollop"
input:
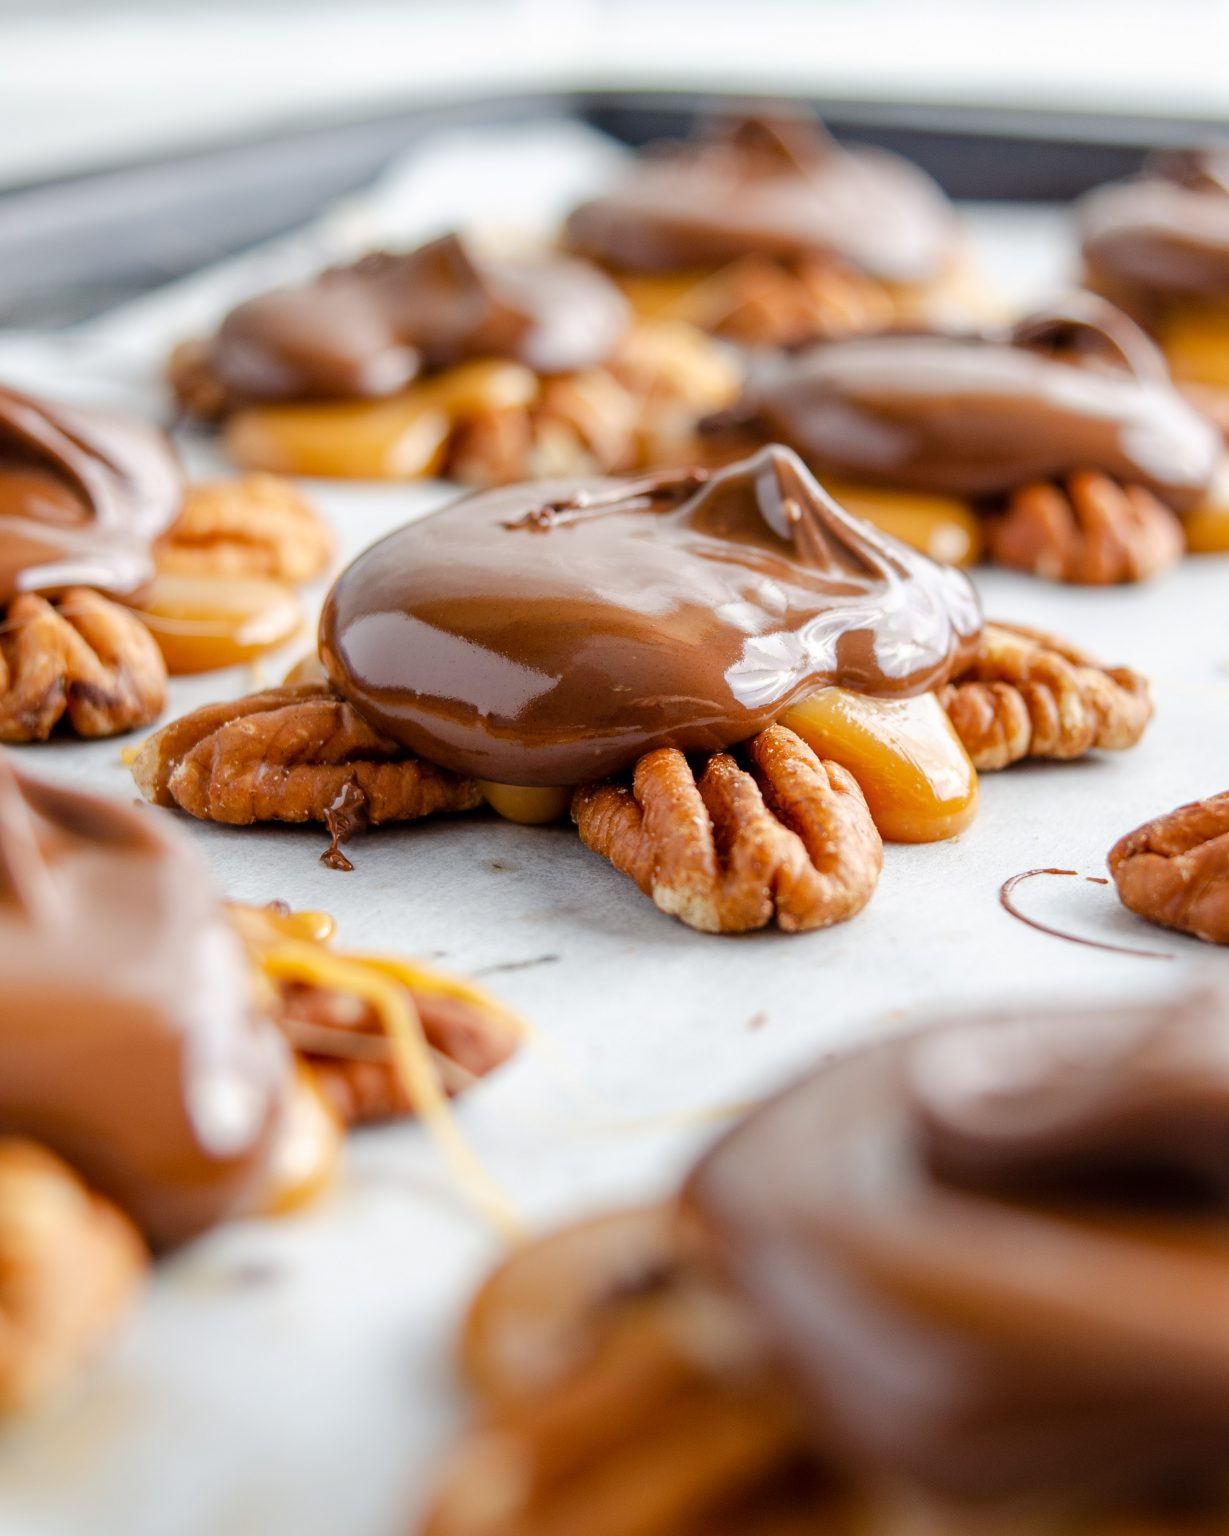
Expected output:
(551, 633)
(1073, 388)
(1164, 234)
(130, 1042)
(994, 1257)
(368, 330)
(776, 186)
(83, 495)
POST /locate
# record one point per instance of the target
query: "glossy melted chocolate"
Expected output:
(777, 187)
(1164, 235)
(83, 495)
(1074, 388)
(368, 330)
(129, 1038)
(995, 1257)
(551, 633)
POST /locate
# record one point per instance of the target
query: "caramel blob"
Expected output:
(1206, 525)
(532, 806)
(307, 1150)
(904, 753)
(204, 622)
(551, 633)
(946, 528)
(404, 438)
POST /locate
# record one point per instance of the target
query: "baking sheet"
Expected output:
(294, 1376)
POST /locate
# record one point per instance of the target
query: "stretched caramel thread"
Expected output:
(296, 960)
(1007, 902)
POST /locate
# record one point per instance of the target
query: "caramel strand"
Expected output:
(394, 1007)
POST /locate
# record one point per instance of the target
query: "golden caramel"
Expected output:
(202, 622)
(1207, 525)
(1194, 336)
(917, 777)
(532, 806)
(404, 438)
(943, 527)
(307, 1150)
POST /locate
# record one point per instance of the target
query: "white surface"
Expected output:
(85, 85)
(293, 1377)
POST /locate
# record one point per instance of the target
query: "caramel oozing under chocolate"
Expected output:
(367, 330)
(1074, 388)
(83, 496)
(553, 633)
(993, 1258)
(769, 185)
(130, 1042)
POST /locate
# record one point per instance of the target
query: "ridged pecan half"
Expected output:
(82, 659)
(1090, 531)
(580, 424)
(1028, 694)
(1175, 870)
(792, 838)
(70, 1266)
(288, 754)
(639, 409)
(341, 1039)
(256, 525)
(760, 302)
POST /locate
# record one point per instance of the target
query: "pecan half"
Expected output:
(341, 1039)
(791, 839)
(1090, 530)
(1028, 694)
(70, 1266)
(637, 410)
(760, 302)
(257, 525)
(286, 754)
(1175, 870)
(580, 424)
(83, 659)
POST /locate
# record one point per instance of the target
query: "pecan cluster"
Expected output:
(287, 754)
(70, 1265)
(1089, 530)
(638, 409)
(788, 838)
(1175, 870)
(1028, 694)
(759, 302)
(257, 525)
(81, 659)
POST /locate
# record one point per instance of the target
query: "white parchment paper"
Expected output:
(294, 1376)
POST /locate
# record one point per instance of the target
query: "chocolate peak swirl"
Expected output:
(775, 186)
(1164, 234)
(995, 1258)
(368, 330)
(1073, 388)
(83, 495)
(551, 633)
(129, 1039)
